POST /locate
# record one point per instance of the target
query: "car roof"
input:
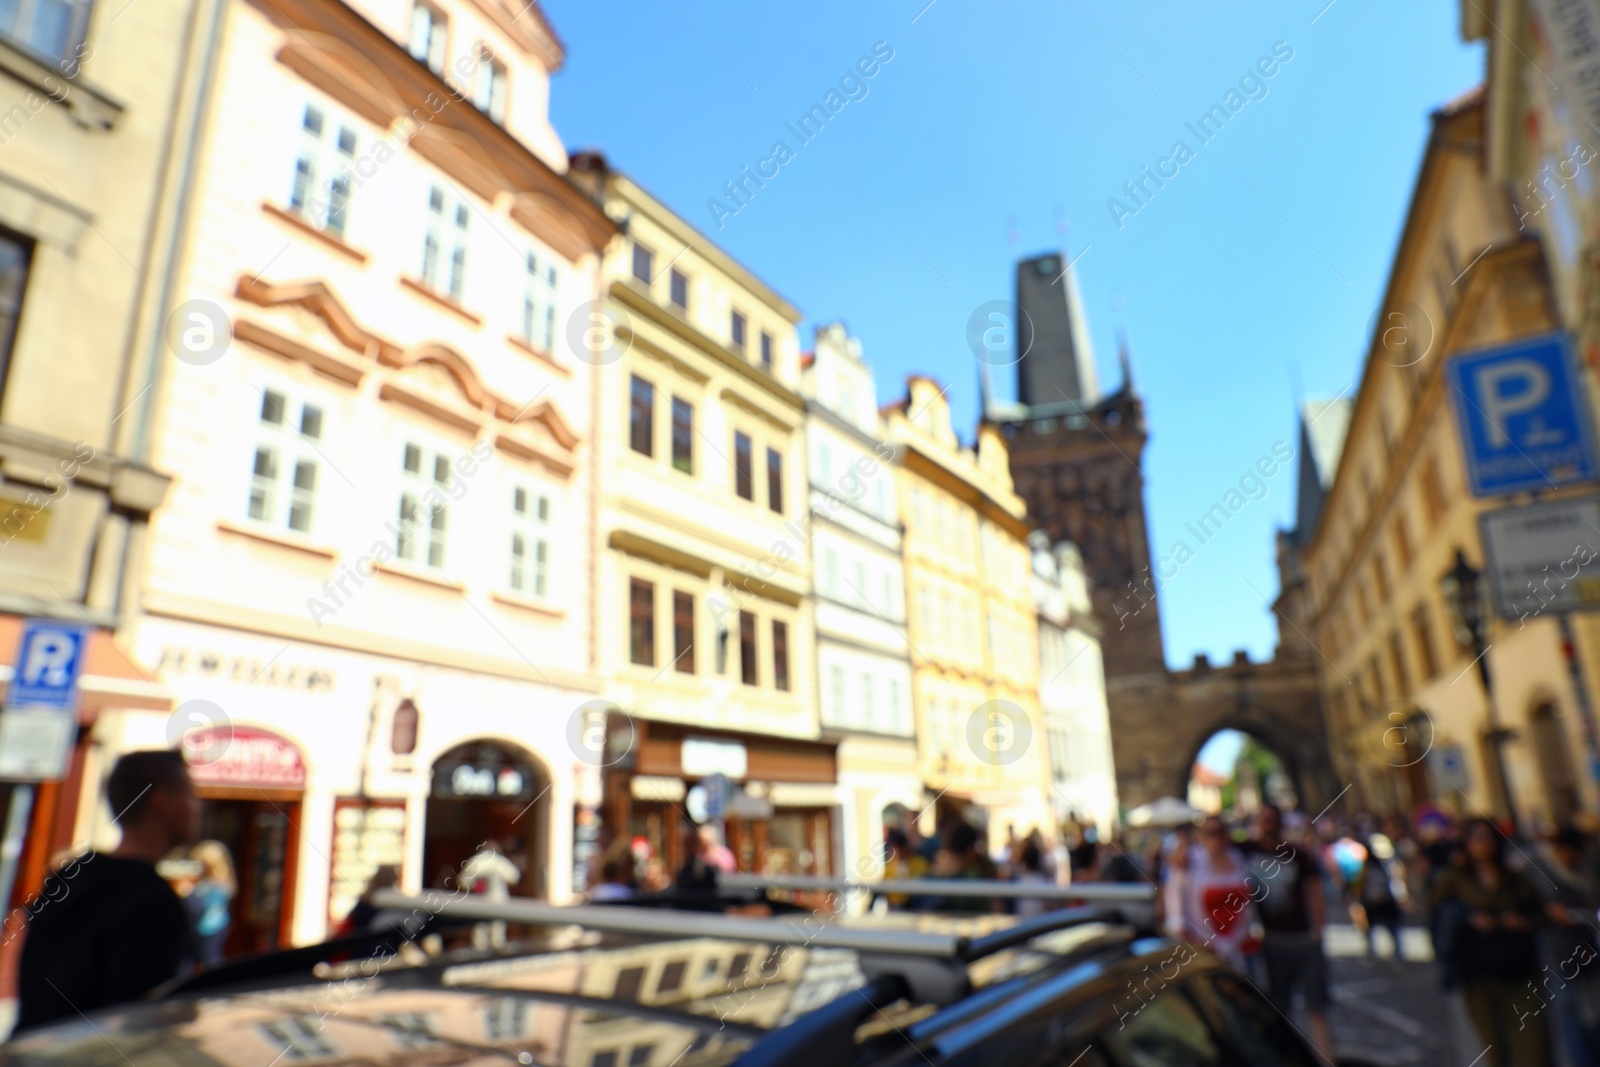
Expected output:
(574, 996)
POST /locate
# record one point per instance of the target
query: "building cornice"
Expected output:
(626, 292)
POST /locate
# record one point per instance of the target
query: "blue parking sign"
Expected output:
(49, 658)
(1524, 419)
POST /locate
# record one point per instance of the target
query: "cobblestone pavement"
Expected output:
(1388, 1011)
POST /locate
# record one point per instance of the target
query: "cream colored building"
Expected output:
(863, 658)
(93, 97)
(971, 623)
(1410, 719)
(703, 605)
(370, 591)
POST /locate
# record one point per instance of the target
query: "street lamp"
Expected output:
(1462, 586)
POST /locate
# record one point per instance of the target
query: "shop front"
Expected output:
(775, 799)
(253, 783)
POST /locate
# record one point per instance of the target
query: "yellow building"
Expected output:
(94, 99)
(1388, 511)
(703, 604)
(972, 628)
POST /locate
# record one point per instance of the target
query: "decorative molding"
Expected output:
(300, 225)
(334, 48)
(86, 106)
(276, 344)
(528, 29)
(318, 299)
(276, 540)
(442, 584)
(439, 413)
(543, 357)
(522, 450)
(528, 605)
(439, 299)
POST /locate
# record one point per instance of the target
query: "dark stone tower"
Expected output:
(1075, 459)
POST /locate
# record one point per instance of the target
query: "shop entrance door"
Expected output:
(262, 836)
(486, 793)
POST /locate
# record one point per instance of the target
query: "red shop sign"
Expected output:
(242, 755)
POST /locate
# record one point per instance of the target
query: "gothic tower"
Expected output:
(1075, 459)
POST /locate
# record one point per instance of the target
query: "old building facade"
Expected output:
(704, 596)
(370, 596)
(971, 623)
(863, 658)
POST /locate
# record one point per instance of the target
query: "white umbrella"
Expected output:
(1166, 812)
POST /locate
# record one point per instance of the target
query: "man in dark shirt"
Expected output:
(1286, 884)
(106, 928)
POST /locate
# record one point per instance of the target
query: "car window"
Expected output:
(1167, 1032)
(1259, 1036)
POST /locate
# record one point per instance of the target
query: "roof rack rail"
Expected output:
(1093, 892)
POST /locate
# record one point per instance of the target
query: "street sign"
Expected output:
(1543, 557)
(1448, 762)
(49, 658)
(35, 744)
(1521, 408)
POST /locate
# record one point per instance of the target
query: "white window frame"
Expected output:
(446, 239)
(426, 545)
(533, 528)
(322, 182)
(271, 499)
(541, 286)
(491, 84)
(429, 35)
(24, 26)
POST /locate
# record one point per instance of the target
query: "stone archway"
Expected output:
(1160, 723)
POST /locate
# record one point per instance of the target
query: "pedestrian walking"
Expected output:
(1293, 911)
(1211, 897)
(210, 901)
(1570, 948)
(112, 929)
(1490, 912)
(490, 874)
(1030, 870)
(1376, 900)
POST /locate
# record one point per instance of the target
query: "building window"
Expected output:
(320, 193)
(283, 482)
(780, 655)
(836, 693)
(1402, 541)
(683, 632)
(1422, 633)
(444, 244)
(642, 622)
(427, 37)
(680, 289)
(539, 285)
(737, 325)
(682, 435)
(49, 28)
(644, 263)
(744, 475)
(1433, 498)
(424, 487)
(766, 349)
(489, 85)
(749, 674)
(530, 542)
(775, 480)
(869, 701)
(15, 256)
(642, 416)
(1397, 656)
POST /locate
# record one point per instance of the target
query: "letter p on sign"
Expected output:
(1513, 387)
(48, 661)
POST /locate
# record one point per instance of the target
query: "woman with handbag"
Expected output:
(1493, 912)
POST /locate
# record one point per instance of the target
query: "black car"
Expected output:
(647, 987)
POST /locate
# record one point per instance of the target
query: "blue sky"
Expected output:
(1000, 129)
